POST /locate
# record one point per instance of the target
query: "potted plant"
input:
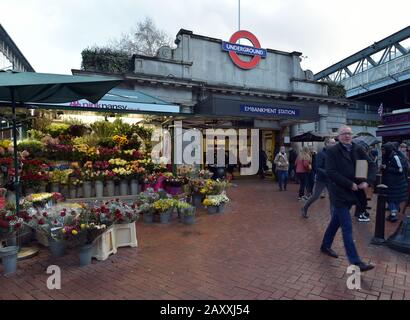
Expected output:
(186, 212)
(164, 207)
(145, 202)
(9, 224)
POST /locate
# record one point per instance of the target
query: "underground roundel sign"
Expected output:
(236, 49)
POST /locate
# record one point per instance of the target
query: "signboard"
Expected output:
(269, 110)
(106, 105)
(235, 49)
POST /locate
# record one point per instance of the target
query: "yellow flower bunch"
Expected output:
(122, 172)
(129, 152)
(209, 202)
(120, 140)
(83, 148)
(5, 143)
(118, 162)
(163, 205)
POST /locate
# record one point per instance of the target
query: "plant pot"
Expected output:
(197, 200)
(105, 245)
(221, 208)
(99, 189)
(188, 219)
(64, 191)
(135, 187)
(12, 241)
(110, 188)
(55, 187)
(212, 209)
(85, 254)
(87, 189)
(79, 191)
(148, 217)
(9, 258)
(165, 217)
(73, 192)
(11, 197)
(124, 187)
(57, 248)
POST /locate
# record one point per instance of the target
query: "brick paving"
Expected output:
(259, 249)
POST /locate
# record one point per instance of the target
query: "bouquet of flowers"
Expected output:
(215, 200)
(163, 205)
(117, 162)
(9, 223)
(213, 187)
(117, 212)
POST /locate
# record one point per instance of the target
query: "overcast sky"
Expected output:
(52, 33)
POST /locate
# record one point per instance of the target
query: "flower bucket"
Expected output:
(135, 188)
(148, 217)
(12, 241)
(55, 187)
(87, 189)
(73, 192)
(197, 200)
(221, 208)
(124, 187)
(165, 217)
(9, 258)
(11, 196)
(188, 219)
(212, 209)
(110, 188)
(99, 189)
(174, 190)
(57, 248)
(85, 254)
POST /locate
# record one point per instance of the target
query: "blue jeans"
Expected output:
(341, 218)
(394, 207)
(282, 178)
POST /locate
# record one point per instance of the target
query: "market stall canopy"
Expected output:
(121, 100)
(307, 137)
(53, 88)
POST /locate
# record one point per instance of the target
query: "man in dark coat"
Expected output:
(340, 168)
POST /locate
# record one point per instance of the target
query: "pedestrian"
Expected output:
(393, 176)
(303, 165)
(263, 158)
(292, 159)
(321, 180)
(343, 185)
(311, 176)
(403, 150)
(282, 167)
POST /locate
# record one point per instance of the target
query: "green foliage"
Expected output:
(336, 90)
(34, 134)
(57, 129)
(34, 147)
(105, 60)
(106, 142)
(103, 129)
(41, 123)
(122, 128)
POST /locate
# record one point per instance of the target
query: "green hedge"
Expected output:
(105, 60)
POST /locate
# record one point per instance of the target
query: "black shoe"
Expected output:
(392, 218)
(303, 213)
(364, 266)
(329, 252)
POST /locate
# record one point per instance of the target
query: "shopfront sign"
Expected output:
(270, 110)
(236, 49)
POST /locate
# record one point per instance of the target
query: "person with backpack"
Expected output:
(394, 176)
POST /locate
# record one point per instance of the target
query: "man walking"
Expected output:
(340, 168)
(321, 177)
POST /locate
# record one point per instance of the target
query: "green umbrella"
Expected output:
(25, 87)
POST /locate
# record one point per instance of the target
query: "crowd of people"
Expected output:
(334, 169)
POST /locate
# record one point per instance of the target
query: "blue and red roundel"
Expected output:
(235, 49)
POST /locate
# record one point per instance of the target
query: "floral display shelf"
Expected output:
(128, 199)
(105, 245)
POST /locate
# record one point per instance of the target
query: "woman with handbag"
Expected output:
(303, 167)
